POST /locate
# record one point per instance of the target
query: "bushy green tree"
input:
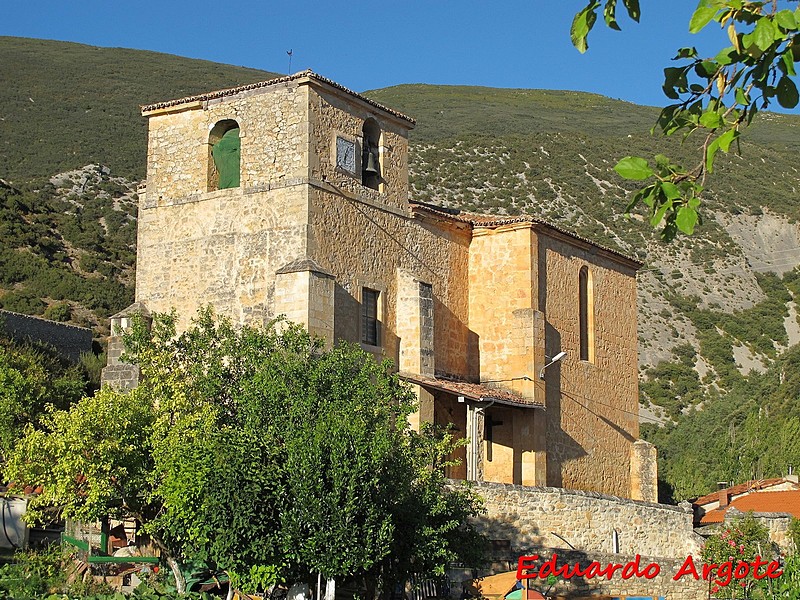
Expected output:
(259, 453)
(33, 380)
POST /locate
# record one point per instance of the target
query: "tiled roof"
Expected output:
(785, 501)
(472, 391)
(263, 84)
(477, 220)
(747, 486)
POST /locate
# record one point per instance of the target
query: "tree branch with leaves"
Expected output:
(715, 98)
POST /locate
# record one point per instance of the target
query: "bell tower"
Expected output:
(234, 180)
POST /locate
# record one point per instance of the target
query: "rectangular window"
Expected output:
(370, 325)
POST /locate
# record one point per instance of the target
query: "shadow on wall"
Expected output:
(505, 549)
(561, 447)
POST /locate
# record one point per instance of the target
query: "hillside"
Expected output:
(64, 105)
(715, 310)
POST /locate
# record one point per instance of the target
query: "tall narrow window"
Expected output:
(371, 155)
(370, 325)
(586, 316)
(224, 156)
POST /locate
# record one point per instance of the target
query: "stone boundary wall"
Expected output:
(662, 585)
(519, 517)
(776, 523)
(69, 340)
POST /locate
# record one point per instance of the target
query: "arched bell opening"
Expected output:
(371, 154)
(224, 156)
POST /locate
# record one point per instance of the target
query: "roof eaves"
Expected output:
(489, 221)
(471, 391)
(308, 74)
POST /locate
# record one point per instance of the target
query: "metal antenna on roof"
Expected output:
(289, 52)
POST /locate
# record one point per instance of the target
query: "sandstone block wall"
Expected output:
(223, 249)
(332, 114)
(273, 126)
(532, 517)
(366, 244)
(662, 585)
(592, 407)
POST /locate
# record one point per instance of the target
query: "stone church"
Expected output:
(291, 197)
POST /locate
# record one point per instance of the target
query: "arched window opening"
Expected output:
(586, 314)
(224, 170)
(371, 155)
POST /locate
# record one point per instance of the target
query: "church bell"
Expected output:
(372, 167)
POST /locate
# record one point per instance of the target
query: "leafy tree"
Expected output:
(259, 453)
(33, 381)
(715, 97)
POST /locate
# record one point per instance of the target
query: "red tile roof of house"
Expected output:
(786, 501)
(747, 486)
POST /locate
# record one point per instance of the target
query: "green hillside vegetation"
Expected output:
(750, 432)
(65, 105)
(67, 253)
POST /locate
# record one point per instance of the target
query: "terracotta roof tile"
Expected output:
(270, 82)
(472, 391)
(747, 486)
(785, 501)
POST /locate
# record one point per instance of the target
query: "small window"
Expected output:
(370, 325)
(224, 170)
(586, 314)
(371, 155)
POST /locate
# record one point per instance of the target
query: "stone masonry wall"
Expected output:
(222, 249)
(592, 407)
(68, 340)
(273, 126)
(364, 244)
(334, 113)
(536, 516)
(662, 585)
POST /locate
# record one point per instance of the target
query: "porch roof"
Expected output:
(471, 391)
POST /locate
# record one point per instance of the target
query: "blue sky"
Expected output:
(366, 45)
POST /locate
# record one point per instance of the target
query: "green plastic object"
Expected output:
(226, 153)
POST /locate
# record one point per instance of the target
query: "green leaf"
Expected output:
(710, 152)
(742, 97)
(686, 52)
(633, 9)
(765, 33)
(659, 214)
(711, 119)
(787, 92)
(785, 19)
(726, 56)
(633, 167)
(610, 14)
(788, 62)
(727, 138)
(686, 219)
(702, 16)
(674, 81)
(582, 24)
(670, 190)
(706, 68)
